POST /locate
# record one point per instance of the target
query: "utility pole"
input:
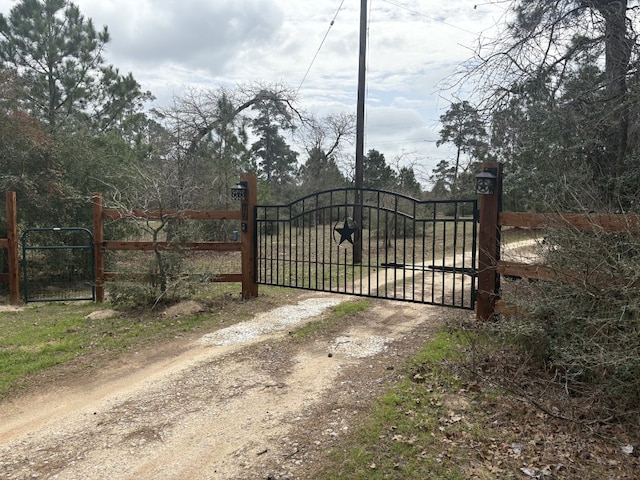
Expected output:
(362, 76)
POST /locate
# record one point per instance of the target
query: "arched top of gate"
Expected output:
(345, 191)
(384, 200)
(79, 236)
(370, 197)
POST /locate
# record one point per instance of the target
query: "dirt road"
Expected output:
(249, 401)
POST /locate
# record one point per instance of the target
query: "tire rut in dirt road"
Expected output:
(218, 412)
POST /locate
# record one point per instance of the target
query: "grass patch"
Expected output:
(47, 335)
(38, 338)
(407, 432)
(336, 313)
(345, 309)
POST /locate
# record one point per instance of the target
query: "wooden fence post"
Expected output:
(12, 248)
(98, 240)
(489, 247)
(249, 285)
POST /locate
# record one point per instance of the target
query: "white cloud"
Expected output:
(413, 46)
(198, 34)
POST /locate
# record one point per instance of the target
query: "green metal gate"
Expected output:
(57, 264)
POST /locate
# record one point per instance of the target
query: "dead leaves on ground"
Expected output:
(498, 435)
(509, 438)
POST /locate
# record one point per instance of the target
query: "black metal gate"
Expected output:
(414, 251)
(57, 264)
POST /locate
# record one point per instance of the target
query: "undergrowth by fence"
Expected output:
(575, 310)
(583, 228)
(232, 259)
(190, 254)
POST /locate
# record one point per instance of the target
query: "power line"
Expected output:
(321, 44)
(403, 7)
(405, 142)
(415, 12)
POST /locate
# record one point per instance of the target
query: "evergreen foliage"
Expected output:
(57, 53)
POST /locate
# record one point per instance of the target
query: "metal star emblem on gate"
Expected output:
(346, 231)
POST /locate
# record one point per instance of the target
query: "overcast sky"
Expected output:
(413, 46)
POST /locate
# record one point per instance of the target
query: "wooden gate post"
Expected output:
(98, 240)
(489, 246)
(12, 249)
(248, 236)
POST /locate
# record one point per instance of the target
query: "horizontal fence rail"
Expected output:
(242, 245)
(596, 223)
(585, 221)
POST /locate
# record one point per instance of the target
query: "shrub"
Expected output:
(140, 284)
(586, 330)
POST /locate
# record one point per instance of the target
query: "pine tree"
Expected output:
(57, 52)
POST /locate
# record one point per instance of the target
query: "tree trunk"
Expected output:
(160, 263)
(617, 56)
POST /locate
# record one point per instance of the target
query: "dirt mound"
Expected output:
(184, 309)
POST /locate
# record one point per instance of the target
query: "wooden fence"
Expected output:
(245, 214)
(591, 222)
(245, 245)
(490, 264)
(11, 245)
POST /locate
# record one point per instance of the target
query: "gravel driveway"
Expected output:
(247, 401)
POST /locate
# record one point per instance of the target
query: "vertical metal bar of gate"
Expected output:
(416, 251)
